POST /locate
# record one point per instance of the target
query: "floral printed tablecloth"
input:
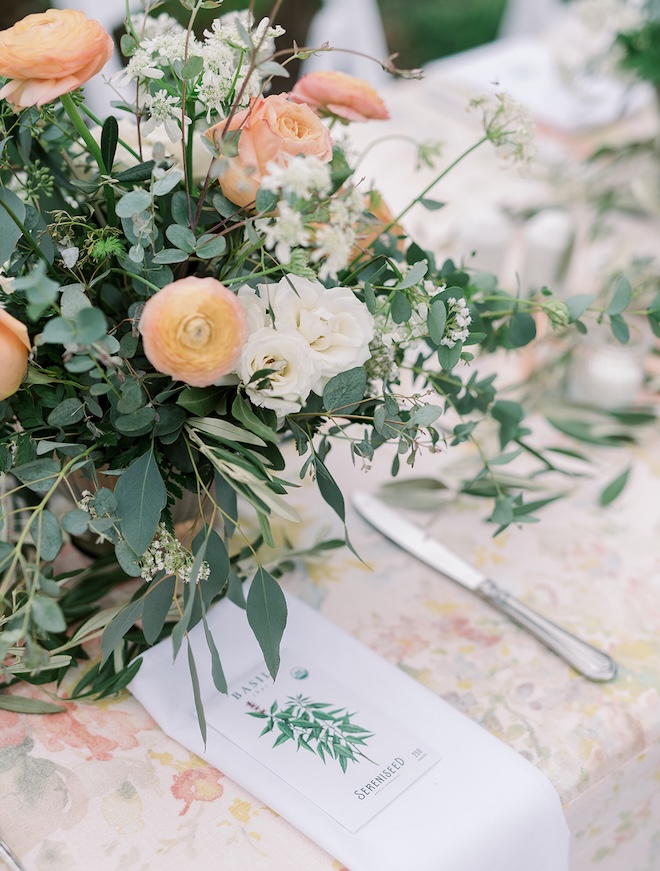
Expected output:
(101, 786)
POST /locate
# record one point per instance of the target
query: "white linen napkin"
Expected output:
(476, 805)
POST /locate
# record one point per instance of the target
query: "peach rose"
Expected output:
(49, 54)
(193, 329)
(14, 349)
(272, 129)
(334, 93)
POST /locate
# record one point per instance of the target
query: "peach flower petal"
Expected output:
(193, 330)
(334, 93)
(14, 349)
(49, 54)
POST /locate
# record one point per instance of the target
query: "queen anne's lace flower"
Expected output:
(284, 232)
(508, 125)
(167, 554)
(302, 177)
(164, 111)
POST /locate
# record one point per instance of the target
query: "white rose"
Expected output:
(255, 307)
(336, 325)
(296, 371)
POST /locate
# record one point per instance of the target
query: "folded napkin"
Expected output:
(426, 789)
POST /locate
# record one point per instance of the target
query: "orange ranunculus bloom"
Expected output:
(272, 129)
(49, 54)
(193, 329)
(14, 349)
(335, 93)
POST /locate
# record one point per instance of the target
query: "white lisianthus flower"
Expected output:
(333, 321)
(286, 352)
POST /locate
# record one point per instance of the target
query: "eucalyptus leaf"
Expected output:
(141, 497)
(449, 357)
(47, 614)
(170, 255)
(217, 672)
(436, 320)
(10, 232)
(68, 412)
(620, 329)
(267, 614)
(414, 275)
(401, 308)
(119, 626)
(192, 68)
(344, 392)
(137, 422)
(210, 245)
(614, 488)
(181, 237)
(621, 297)
(180, 629)
(39, 475)
(128, 559)
(26, 705)
(157, 603)
(133, 203)
(197, 695)
(329, 489)
(75, 521)
(49, 535)
(577, 305)
(522, 329)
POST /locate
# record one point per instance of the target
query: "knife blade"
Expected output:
(593, 663)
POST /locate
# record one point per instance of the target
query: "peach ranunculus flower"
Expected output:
(272, 129)
(194, 330)
(14, 349)
(49, 54)
(346, 97)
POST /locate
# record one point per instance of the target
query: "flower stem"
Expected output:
(94, 149)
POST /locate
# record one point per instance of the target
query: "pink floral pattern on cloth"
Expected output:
(100, 786)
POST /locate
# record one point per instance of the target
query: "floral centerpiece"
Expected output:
(185, 284)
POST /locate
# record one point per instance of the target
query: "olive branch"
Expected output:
(329, 734)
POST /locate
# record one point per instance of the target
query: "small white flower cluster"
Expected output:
(381, 365)
(284, 232)
(151, 26)
(458, 322)
(164, 111)
(333, 237)
(167, 554)
(508, 125)
(301, 177)
(225, 56)
(305, 334)
(406, 334)
(84, 503)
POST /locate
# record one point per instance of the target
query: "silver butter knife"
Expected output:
(585, 658)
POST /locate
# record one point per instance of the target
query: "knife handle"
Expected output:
(588, 660)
